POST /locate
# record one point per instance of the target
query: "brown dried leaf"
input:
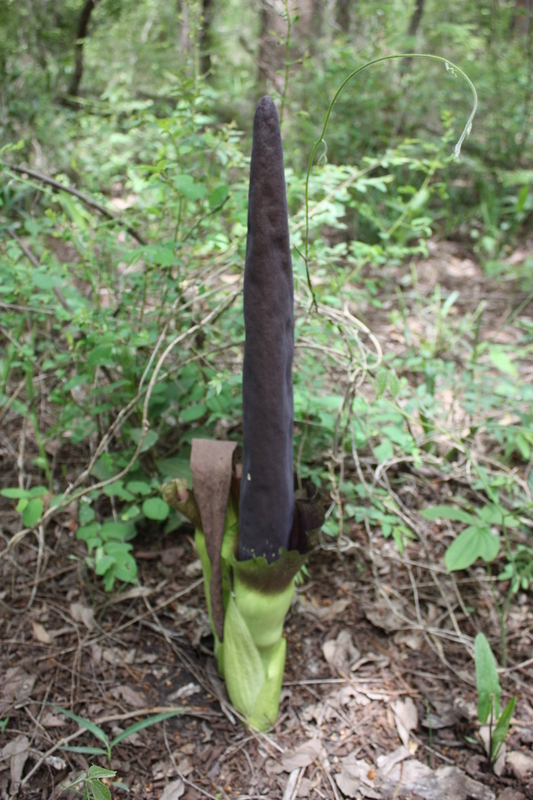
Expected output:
(51, 721)
(40, 633)
(211, 465)
(83, 614)
(341, 652)
(173, 791)
(357, 778)
(17, 686)
(17, 750)
(130, 696)
(302, 756)
(520, 763)
(406, 718)
(446, 783)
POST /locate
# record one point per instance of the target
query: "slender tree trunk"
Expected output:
(205, 39)
(263, 57)
(521, 22)
(342, 15)
(83, 25)
(416, 17)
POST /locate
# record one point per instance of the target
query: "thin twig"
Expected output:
(89, 201)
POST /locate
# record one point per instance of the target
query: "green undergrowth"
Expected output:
(123, 334)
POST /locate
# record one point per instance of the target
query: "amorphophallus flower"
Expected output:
(250, 530)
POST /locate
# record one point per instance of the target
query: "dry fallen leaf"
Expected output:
(340, 653)
(386, 614)
(49, 720)
(17, 750)
(83, 614)
(445, 783)
(357, 778)
(302, 756)
(40, 633)
(116, 656)
(17, 686)
(406, 718)
(173, 791)
(520, 763)
(130, 696)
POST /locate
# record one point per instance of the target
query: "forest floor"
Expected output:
(379, 699)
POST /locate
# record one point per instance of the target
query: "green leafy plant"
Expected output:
(3, 724)
(480, 539)
(489, 695)
(30, 504)
(90, 783)
(102, 736)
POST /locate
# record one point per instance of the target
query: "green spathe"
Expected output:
(254, 648)
(251, 656)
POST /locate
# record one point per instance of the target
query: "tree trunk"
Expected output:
(342, 15)
(263, 57)
(83, 25)
(205, 39)
(416, 16)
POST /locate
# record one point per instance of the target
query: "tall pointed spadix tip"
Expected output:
(267, 491)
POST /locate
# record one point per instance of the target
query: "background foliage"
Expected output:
(120, 309)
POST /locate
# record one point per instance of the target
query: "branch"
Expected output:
(60, 187)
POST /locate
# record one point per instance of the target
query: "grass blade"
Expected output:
(144, 723)
(85, 723)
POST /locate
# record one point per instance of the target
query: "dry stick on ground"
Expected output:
(60, 187)
(35, 261)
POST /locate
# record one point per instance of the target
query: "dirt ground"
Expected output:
(379, 698)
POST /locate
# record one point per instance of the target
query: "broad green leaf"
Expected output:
(472, 543)
(144, 723)
(218, 195)
(38, 491)
(188, 188)
(150, 439)
(100, 772)
(155, 508)
(139, 487)
(100, 790)
(193, 412)
(448, 512)
(104, 563)
(488, 682)
(86, 532)
(86, 513)
(164, 256)
(14, 493)
(489, 544)
(43, 281)
(102, 354)
(502, 726)
(130, 513)
(32, 512)
(117, 530)
(381, 381)
(394, 384)
(85, 723)
(502, 361)
(117, 489)
(384, 451)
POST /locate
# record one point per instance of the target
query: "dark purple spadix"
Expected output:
(266, 508)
